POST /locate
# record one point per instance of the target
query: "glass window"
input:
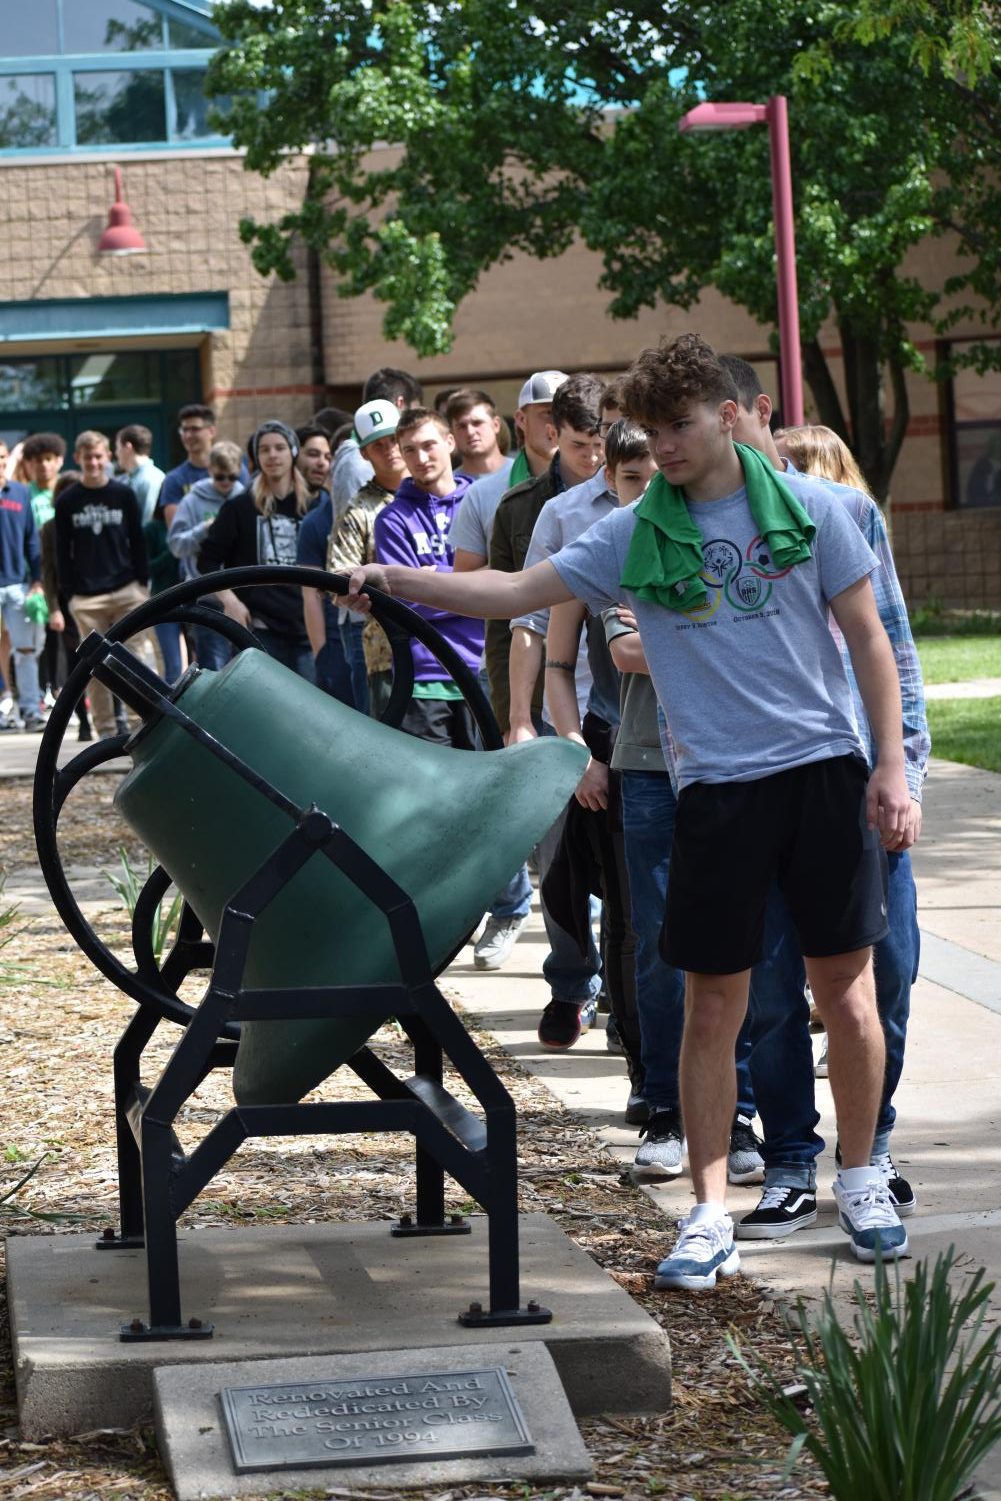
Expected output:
(30, 385)
(181, 34)
(111, 26)
(114, 107)
(183, 380)
(192, 123)
(30, 30)
(977, 435)
(110, 379)
(27, 110)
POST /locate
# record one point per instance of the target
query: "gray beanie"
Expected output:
(274, 425)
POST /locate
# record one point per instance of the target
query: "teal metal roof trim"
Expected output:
(113, 317)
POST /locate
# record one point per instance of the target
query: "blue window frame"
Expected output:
(102, 74)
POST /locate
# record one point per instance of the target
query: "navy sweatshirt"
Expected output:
(20, 549)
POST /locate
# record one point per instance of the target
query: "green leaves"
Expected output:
(445, 138)
(129, 887)
(906, 1405)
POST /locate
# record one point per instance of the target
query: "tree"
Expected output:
(516, 129)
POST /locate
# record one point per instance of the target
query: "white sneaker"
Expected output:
(497, 940)
(870, 1220)
(820, 1067)
(702, 1253)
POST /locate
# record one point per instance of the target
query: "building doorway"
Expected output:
(103, 389)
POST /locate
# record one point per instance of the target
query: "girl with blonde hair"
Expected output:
(815, 449)
(261, 525)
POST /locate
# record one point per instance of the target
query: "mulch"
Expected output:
(59, 1022)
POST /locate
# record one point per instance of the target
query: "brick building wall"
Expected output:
(187, 208)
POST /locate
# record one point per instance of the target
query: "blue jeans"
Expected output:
(332, 674)
(168, 634)
(214, 650)
(648, 808)
(25, 639)
(515, 899)
(354, 653)
(296, 654)
(781, 1056)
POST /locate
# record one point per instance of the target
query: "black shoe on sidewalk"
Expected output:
(780, 1211)
(563, 1022)
(905, 1200)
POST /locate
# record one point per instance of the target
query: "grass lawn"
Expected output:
(956, 659)
(967, 730)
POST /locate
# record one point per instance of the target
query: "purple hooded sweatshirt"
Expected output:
(413, 530)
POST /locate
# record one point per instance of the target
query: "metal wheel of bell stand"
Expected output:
(157, 1179)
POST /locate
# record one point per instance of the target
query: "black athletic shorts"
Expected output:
(805, 828)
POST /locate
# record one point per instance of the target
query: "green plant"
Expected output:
(905, 1406)
(22, 1212)
(129, 886)
(8, 932)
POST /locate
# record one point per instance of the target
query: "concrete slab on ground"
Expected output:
(196, 1451)
(304, 1290)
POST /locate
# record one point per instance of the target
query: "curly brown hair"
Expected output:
(663, 383)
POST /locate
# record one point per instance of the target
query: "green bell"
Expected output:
(450, 827)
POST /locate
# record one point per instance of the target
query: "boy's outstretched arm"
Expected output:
(485, 594)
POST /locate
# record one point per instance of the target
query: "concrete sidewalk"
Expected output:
(971, 688)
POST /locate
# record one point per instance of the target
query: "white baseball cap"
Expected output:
(376, 419)
(540, 387)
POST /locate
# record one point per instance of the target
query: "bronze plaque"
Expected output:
(374, 1420)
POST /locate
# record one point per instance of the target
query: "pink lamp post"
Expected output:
(774, 114)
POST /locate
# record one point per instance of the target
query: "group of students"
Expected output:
(650, 574)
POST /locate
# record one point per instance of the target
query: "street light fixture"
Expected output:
(774, 114)
(121, 237)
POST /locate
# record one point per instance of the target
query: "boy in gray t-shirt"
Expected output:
(731, 571)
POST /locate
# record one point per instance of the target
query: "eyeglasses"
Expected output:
(187, 431)
(224, 479)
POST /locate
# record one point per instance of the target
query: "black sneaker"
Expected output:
(637, 1109)
(780, 1211)
(905, 1200)
(744, 1163)
(563, 1022)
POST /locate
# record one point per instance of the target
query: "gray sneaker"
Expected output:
(659, 1153)
(497, 940)
(744, 1162)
